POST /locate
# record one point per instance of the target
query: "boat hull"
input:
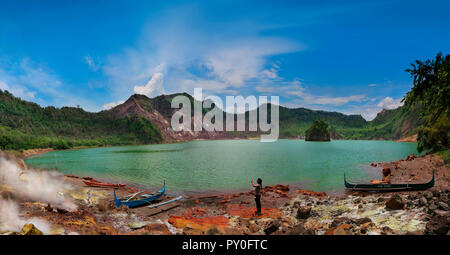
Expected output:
(103, 185)
(140, 202)
(388, 187)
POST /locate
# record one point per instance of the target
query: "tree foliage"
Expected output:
(25, 125)
(431, 89)
(319, 131)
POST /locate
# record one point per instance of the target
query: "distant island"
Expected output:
(319, 131)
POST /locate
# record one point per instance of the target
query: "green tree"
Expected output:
(431, 89)
(319, 131)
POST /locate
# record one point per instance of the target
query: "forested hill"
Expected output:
(141, 120)
(25, 125)
(388, 125)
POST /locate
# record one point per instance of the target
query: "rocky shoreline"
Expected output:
(286, 211)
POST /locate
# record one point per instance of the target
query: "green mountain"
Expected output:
(387, 125)
(25, 125)
(141, 120)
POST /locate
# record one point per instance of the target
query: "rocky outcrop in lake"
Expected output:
(319, 131)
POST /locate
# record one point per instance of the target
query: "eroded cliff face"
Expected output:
(158, 110)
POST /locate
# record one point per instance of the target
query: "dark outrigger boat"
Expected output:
(389, 187)
(139, 198)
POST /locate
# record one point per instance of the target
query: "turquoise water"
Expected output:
(199, 166)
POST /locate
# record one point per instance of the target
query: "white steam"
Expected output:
(10, 219)
(39, 186)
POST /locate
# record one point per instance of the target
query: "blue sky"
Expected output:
(346, 56)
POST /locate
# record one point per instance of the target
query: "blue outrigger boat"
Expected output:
(139, 199)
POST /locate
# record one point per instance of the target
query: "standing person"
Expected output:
(257, 195)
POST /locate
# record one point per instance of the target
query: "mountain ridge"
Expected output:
(143, 120)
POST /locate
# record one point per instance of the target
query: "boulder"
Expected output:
(438, 225)
(432, 206)
(273, 226)
(423, 201)
(428, 194)
(30, 229)
(396, 202)
(338, 221)
(381, 199)
(362, 221)
(299, 229)
(253, 227)
(303, 212)
(343, 229)
(443, 206)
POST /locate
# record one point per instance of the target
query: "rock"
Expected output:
(437, 193)
(381, 199)
(213, 231)
(443, 197)
(387, 231)
(105, 205)
(30, 229)
(299, 229)
(253, 227)
(362, 221)
(423, 201)
(433, 206)
(274, 225)
(440, 212)
(428, 194)
(157, 229)
(414, 233)
(366, 225)
(338, 221)
(443, 206)
(438, 225)
(191, 231)
(343, 229)
(396, 202)
(303, 212)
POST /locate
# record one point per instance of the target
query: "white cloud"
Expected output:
(188, 55)
(310, 99)
(372, 85)
(18, 91)
(91, 63)
(369, 111)
(389, 103)
(154, 87)
(112, 105)
(35, 82)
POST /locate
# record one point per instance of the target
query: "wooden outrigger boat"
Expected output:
(165, 203)
(95, 183)
(389, 187)
(139, 198)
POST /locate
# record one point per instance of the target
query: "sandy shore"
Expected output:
(286, 210)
